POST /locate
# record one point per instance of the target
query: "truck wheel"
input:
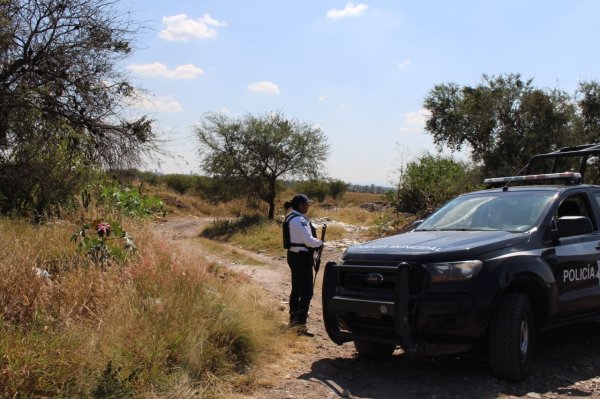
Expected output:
(511, 338)
(373, 350)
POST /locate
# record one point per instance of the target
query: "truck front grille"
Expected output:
(379, 280)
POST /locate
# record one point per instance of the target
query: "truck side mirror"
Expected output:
(567, 226)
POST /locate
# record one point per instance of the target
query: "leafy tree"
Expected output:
(61, 92)
(589, 106)
(337, 188)
(48, 180)
(315, 189)
(588, 102)
(504, 121)
(431, 180)
(260, 150)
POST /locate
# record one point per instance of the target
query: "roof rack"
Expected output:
(568, 177)
(581, 151)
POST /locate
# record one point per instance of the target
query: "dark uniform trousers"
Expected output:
(301, 265)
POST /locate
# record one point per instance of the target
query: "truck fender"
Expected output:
(532, 277)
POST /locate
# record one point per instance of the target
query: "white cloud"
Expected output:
(322, 98)
(153, 103)
(264, 87)
(414, 122)
(404, 63)
(156, 69)
(224, 110)
(182, 28)
(350, 11)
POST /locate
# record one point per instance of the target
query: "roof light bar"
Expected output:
(548, 176)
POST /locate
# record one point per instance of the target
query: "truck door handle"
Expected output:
(598, 246)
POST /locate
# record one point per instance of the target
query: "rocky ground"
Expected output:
(566, 365)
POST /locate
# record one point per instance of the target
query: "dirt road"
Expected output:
(566, 364)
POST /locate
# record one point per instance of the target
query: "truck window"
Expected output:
(576, 205)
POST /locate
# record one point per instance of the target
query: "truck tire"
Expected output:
(511, 338)
(373, 350)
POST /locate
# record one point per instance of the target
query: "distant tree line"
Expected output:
(216, 189)
(368, 188)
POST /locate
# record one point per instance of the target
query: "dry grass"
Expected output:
(188, 204)
(261, 235)
(345, 210)
(334, 232)
(350, 215)
(355, 198)
(265, 236)
(166, 323)
(227, 252)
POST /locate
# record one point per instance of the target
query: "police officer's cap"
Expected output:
(300, 199)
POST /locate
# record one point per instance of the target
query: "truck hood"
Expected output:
(448, 245)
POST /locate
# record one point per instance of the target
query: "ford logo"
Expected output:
(374, 278)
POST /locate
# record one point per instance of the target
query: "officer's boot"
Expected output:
(294, 320)
(302, 329)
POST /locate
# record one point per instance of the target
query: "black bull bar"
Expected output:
(332, 303)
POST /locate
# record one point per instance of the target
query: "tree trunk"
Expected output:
(271, 197)
(271, 209)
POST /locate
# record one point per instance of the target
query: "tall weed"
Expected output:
(162, 323)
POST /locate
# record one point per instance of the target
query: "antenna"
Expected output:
(505, 187)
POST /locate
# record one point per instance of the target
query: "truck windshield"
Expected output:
(507, 211)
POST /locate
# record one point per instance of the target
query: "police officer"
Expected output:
(303, 243)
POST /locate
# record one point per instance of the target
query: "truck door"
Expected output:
(576, 269)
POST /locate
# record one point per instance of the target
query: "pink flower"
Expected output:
(103, 229)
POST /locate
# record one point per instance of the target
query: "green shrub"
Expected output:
(180, 183)
(222, 189)
(42, 179)
(337, 188)
(130, 202)
(315, 189)
(430, 181)
(112, 385)
(127, 176)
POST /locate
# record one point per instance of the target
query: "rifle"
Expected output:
(317, 260)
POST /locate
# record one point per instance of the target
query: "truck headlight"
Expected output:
(453, 271)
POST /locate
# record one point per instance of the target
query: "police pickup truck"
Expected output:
(494, 266)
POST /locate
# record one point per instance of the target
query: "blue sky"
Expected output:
(359, 70)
